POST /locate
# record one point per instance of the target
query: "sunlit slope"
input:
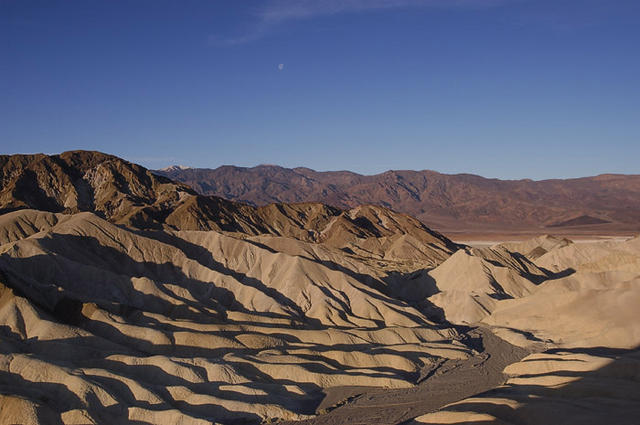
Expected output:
(593, 301)
(468, 285)
(101, 323)
(585, 319)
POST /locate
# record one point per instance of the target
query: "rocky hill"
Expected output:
(130, 195)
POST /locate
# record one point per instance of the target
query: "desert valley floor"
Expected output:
(126, 297)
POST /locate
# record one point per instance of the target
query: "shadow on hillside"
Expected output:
(591, 399)
(59, 398)
(109, 287)
(609, 394)
(110, 272)
(156, 380)
(151, 378)
(84, 276)
(558, 275)
(373, 287)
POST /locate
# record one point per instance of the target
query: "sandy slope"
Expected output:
(470, 283)
(588, 320)
(581, 386)
(100, 323)
(537, 247)
(591, 301)
(103, 324)
(582, 327)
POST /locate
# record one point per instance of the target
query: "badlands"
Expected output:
(129, 298)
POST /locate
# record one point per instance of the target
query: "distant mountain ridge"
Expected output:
(447, 202)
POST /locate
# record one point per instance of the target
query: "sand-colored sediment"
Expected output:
(100, 323)
(103, 324)
(582, 325)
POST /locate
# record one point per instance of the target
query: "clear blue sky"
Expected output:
(501, 88)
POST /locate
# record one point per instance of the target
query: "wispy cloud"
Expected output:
(277, 12)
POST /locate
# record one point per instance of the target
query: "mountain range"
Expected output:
(130, 195)
(447, 202)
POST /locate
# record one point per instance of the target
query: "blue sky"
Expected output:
(500, 88)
